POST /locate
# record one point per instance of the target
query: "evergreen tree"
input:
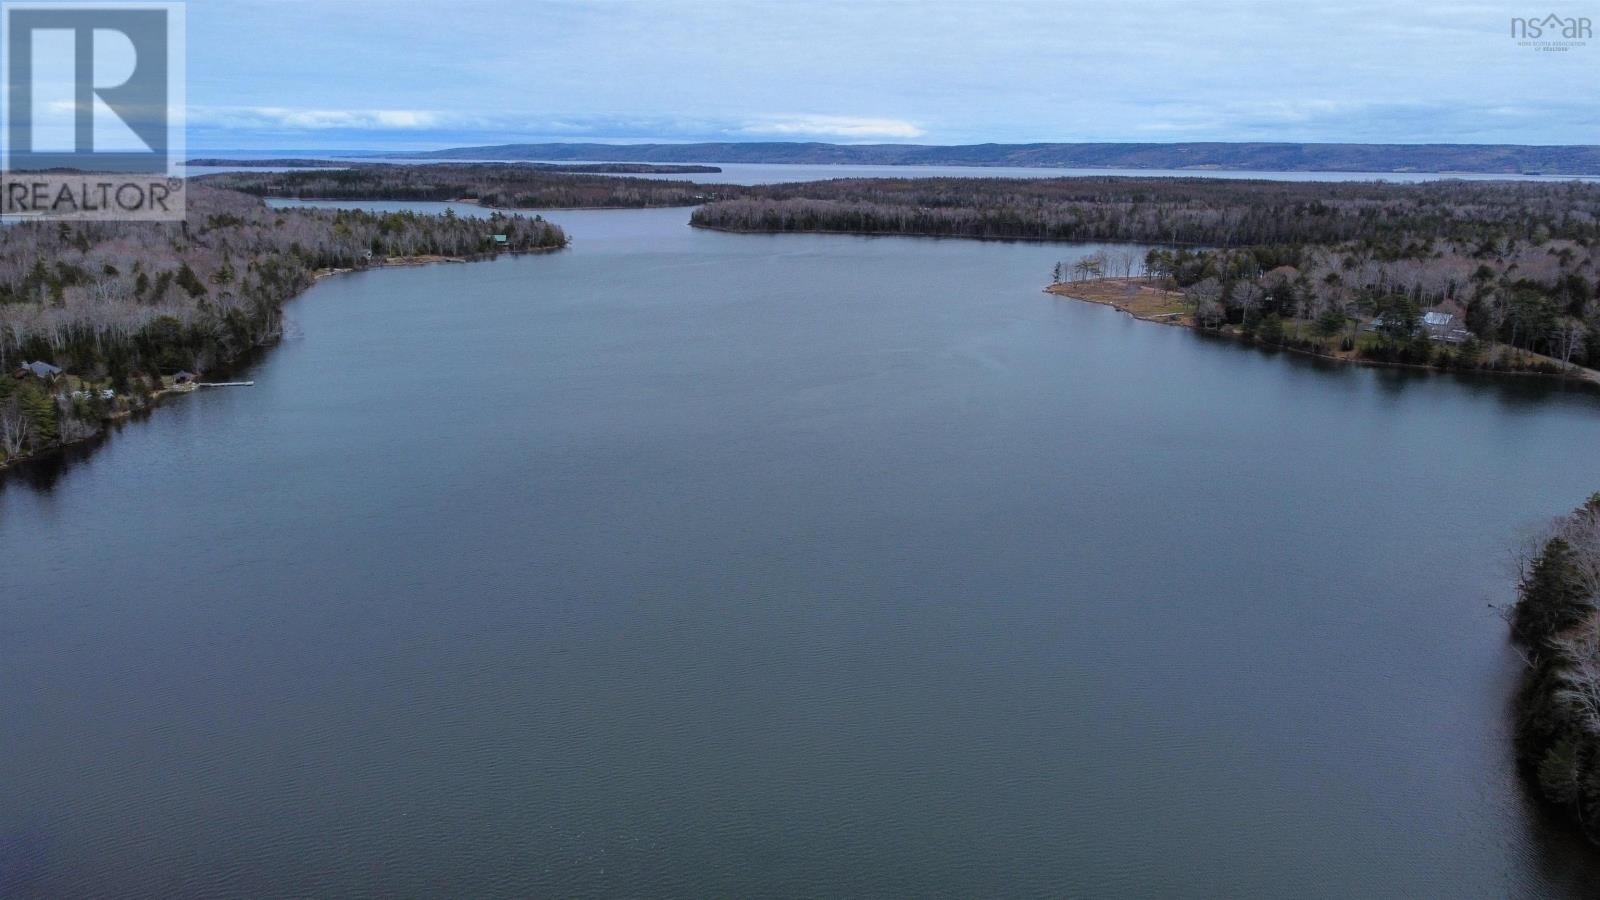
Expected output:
(1552, 598)
(1331, 322)
(44, 420)
(190, 282)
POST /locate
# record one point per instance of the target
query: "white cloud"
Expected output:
(469, 126)
(279, 117)
(832, 126)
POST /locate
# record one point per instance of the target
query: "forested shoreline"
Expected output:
(502, 185)
(1556, 623)
(1504, 307)
(97, 318)
(1351, 268)
(1177, 211)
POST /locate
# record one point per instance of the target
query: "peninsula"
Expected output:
(503, 185)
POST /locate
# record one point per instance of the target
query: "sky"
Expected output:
(424, 74)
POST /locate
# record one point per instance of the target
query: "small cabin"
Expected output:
(184, 378)
(1438, 326)
(1444, 327)
(39, 370)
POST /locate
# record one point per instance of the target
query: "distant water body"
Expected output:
(693, 564)
(754, 173)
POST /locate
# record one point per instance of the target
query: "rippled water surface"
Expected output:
(696, 564)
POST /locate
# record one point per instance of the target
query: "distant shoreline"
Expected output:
(598, 168)
(1507, 160)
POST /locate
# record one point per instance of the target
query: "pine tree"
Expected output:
(1552, 597)
(190, 282)
(43, 418)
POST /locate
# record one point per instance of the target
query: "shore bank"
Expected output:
(1145, 301)
(1555, 622)
(857, 232)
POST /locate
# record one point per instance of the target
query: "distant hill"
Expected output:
(295, 163)
(1495, 159)
(602, 168)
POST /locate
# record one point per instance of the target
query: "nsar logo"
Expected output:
(1552, 32)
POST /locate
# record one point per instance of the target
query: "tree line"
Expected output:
(504, 185)
(122, 306)
(1174, 211)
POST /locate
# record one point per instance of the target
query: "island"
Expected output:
(285, 163)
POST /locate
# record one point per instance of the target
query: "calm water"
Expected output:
(694, 564)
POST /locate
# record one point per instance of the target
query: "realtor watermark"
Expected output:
(1552, 33)
(93, 110)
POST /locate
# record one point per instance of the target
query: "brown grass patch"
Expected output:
(1131, 295)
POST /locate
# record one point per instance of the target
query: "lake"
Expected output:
(696, 564)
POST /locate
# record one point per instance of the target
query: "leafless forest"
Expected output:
(119, 306)
(1194, 211)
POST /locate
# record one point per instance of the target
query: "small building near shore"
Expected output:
(184, 377)
(1438, 326)
(1444, 327)
(39, 370)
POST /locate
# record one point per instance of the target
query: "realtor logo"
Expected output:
(92, 88)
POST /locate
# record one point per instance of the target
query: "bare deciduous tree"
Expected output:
(13, 428)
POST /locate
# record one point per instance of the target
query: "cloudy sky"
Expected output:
(281, 74)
